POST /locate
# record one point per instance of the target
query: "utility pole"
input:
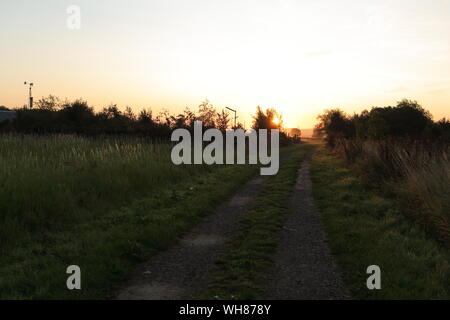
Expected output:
(30, 95)
(235, 118)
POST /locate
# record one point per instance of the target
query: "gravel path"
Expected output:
(181, 271)
(304, 266)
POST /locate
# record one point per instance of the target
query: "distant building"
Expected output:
(7, 116)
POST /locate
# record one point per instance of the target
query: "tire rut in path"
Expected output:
(305, 268)
(181, 271)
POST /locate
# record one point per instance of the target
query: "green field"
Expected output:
(107, 204)
(103, 204)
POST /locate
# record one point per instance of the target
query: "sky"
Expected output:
(299, 57)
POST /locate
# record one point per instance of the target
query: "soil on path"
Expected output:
(305, 268)
(182, 271)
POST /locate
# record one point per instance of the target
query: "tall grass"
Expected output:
(418, 171)
(50, 182)
(104, 204)
(367, 227)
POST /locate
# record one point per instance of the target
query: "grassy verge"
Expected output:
(101, 205)
(241, 273)
(416, 173)
(366, 229)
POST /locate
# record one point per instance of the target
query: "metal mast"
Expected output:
(235, 123)
(30, 95)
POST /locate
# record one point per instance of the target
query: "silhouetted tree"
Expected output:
(77, 117)
(207, 114)
(265, 120)
(223, 120)
(406, 119)
(164, 118)
(335, 124)
(129, 114)
(50, 103)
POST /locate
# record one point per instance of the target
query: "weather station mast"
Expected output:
(30, 94)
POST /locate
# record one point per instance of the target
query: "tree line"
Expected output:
(408, 119)
(51, 115)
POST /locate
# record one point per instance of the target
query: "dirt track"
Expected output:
(180, 272)
(304, 266)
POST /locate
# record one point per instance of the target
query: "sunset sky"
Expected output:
(299, 57)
